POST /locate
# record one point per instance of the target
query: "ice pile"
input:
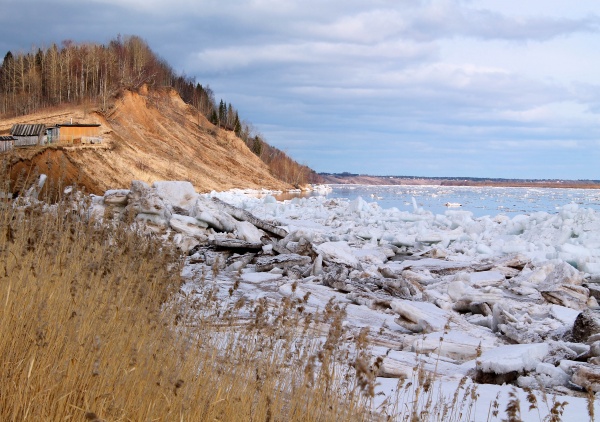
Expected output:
(502, 300)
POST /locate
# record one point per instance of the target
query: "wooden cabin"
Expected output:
(69, 133)
(28, 135)
(6, 143)
(78, 133)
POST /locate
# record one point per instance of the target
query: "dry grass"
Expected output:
(150, 136)
(94, 328)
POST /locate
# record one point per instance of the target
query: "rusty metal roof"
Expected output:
(7, 138)
(27, 130)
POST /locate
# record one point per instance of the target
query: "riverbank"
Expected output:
(358, 179)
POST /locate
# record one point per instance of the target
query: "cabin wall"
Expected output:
(6, 145)
(72, 133)
(25, 141)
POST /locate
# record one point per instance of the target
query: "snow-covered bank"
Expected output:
(261, 193)
(495, 299)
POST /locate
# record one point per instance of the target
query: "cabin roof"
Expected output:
(7, 138)
(27, 130)
(78, 125)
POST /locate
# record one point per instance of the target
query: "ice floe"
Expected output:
(496, 299)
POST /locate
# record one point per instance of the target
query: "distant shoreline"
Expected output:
(356, 179)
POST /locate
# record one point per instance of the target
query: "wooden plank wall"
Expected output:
(26, 141)
(6, 145)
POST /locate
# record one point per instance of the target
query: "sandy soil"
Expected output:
(147, 136)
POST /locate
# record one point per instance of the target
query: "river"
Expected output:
(478, 200)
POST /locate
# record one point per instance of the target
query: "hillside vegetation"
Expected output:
(157, 124)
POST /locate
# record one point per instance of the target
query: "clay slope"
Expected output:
(147, 136)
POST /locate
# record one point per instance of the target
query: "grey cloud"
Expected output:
(429, 21)
(450, 19)
(354, 86)
(310, 53)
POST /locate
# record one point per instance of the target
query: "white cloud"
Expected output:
(441, 19)
(520, 145)
(325, 53)
(553, 114)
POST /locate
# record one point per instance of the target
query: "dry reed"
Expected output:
(95, 327)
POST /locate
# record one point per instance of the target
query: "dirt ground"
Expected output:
(149, 136)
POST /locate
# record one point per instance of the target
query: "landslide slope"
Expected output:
(147, 135)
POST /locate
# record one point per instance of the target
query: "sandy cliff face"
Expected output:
(147, 136)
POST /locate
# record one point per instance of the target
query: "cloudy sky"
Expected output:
(482, 88)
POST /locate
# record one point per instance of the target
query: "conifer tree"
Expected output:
(214, 118)
(257, 146)
(222, 112)
(230, 119)
(237, 126)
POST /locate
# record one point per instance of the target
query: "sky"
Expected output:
(463, 88)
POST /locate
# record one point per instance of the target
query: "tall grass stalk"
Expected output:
(94, 327)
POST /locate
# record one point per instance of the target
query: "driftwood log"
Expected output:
(267, 263)
(244, 215)
(235, 244)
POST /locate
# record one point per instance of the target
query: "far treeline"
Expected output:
(95, 74)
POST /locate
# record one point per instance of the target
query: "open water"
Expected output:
(478, 200)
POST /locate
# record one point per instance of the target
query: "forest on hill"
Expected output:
(95, 74)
